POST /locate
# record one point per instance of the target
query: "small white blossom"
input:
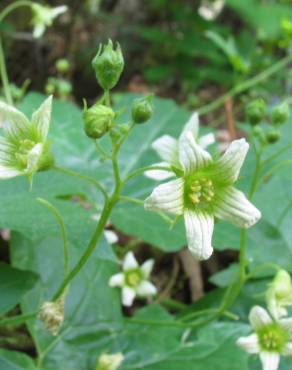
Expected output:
(109, 362)
(43, 17)
(270, 339)
(134, 279)
(203, 189)
(167, 148)
(24, 149)
(210, 9)
(279, 294)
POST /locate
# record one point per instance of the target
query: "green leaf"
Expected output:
(14, 283)
(11, 360)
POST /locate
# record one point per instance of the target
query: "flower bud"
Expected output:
(52, 315)
(97, 120)
(142, 109)
(255, 111)
(109, 362)
(64, 88)
(282, 284)
(280, 113)
(108, 65)
(273, 136)
(62, 65)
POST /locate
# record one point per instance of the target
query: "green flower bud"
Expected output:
(62, 65)
(64, 88)
(255, 111)
(282, 284)
(50, 88)
(142, 109)
(108, 65)
(280, 113)
(97, 120)
(273, 136)
(109, 362)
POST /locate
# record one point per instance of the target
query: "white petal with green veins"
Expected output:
(270, 360)
(41, 118)
(259, 317)
(249, 344)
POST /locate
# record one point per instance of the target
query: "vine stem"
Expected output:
(89, 179)
(60, 221)
(3, 70)
(245, 85)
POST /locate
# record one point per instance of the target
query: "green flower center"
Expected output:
(199, 192)
(272, 338)
(133, 277)
(21, 155)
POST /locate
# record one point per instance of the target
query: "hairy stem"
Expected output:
(4, 75)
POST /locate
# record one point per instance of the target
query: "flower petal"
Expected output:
(39, 30)
(130, 262)
(58, 10)
(146, 289)
(199, 230)
(192, 125)
(111, 236)
(33, 158)
(167, 197)
(270, 360)
(286, 324)
(9, 172)
(232, 205)
(128, 296)
(42, 117)
(159, 175)
(259, 317)
(229, 165)
(147, 267)
(287, 351)
(117, 280)
(15, 122)
(192, 157)
(166, 147)
(206, 140)
(249, 344)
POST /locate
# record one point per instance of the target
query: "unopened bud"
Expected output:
(52, 315)
(64, 88)
(282, 284)
(280, 113)
(142, 109)
(255, 111)
(109, 362)
(62, 65)
(108, 65)
(273, 136)
(97, 120)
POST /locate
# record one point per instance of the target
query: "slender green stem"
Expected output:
(101, 151)
(19, 319)
(60, 221)
(195, 314)
(262, 267)
(90, 248)
(246, 85)
(277, 154)
(11, 7)
(256, 174)
(4, 75)
(141, 170)
(131, 200)
(242, 258)
(89, 179)
(277, 167)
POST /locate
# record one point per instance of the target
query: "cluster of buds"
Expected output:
(52, 315)
(99, 119)
(60, 86)
(256, 114)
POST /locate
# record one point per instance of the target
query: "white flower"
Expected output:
(109, 362)
(24, 149)
(279, 294)
(43, 17)
(167, 148)
(203, 190)
(210, 10)
(270, 339)
(134, 280)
